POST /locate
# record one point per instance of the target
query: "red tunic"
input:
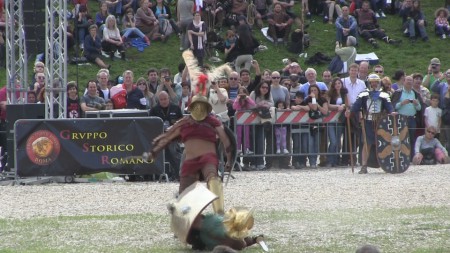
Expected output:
(204, 130)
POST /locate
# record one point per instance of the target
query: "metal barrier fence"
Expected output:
(328, 138)
(305, 138)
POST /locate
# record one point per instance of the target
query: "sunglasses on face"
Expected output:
(233, 78)
(378, 71)
(275, 77)
(40, 77)
(141, 83)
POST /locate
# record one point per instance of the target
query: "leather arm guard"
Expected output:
(163, 140)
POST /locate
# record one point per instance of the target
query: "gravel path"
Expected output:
(292, 190)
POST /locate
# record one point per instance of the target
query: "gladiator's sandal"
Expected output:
(215, 186)
(363, 170)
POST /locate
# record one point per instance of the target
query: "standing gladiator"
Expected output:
(198, 131)
(374, 104)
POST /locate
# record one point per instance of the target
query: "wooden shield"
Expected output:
(221, 150)
(393, 145)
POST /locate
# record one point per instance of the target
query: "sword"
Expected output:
(350, 144)
(365, 148)
(260, 241)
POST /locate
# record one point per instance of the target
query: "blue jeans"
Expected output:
(412, 29)
(377, 5)
(128, 31)
(300, 146)
(343, 39)
(335, 132)
(313, 148)
(441, 30)
(81, 35)
(116, 10)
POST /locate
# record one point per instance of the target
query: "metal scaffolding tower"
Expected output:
(16, 55)
(56, 58)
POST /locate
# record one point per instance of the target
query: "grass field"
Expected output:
(298, 211)
(407, 56)
(411, 230)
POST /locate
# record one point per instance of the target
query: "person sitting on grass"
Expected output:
(280, 24)
(369, 29)
(129, 27)
(429, 150)
(112, 41)
(441, 23)
(93, 48)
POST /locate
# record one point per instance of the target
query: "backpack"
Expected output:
(299, 41)
(336, 65)
(165, 27)
(120, 99)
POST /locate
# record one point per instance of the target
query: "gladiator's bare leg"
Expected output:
(365, 158)
(186, 181)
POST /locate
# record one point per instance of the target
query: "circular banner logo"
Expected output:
(43, 147)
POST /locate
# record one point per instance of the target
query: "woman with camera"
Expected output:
(112, 41)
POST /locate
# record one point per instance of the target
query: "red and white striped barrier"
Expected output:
(294, 117)
(284, 117)
(247, 118)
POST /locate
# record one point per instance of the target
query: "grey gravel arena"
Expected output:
(277, 196)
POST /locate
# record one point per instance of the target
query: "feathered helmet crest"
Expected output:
(200, 83)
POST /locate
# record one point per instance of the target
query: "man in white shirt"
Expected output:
(353, 84)
(354, 87)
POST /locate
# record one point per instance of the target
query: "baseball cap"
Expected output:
(435, 61)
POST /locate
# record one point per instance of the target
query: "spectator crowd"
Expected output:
(291, 87)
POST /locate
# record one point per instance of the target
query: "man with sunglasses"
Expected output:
(233, 82)
(379, 70)
(429, 150)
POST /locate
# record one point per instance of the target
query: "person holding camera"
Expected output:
(166, 84)
(408, 102)
(433, 74)
(243, 102)
(218, 99)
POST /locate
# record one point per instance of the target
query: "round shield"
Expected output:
(393, 144)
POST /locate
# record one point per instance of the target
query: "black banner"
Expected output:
(85, 146)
